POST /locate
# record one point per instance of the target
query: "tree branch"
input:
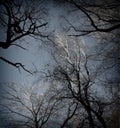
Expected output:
(17, 65)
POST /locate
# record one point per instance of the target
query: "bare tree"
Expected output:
(66, 109)
(26, 107)
(19, 19)
(100, 16)
(102, 21)
(74, 71)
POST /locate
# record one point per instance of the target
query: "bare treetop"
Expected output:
(19, 19)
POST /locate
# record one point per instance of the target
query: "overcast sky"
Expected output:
(36, 53)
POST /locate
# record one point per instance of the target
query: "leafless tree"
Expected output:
(74, 71)
(66, 110)
(26, 107)
(19, 19)
(102, 21)
(100, 16)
